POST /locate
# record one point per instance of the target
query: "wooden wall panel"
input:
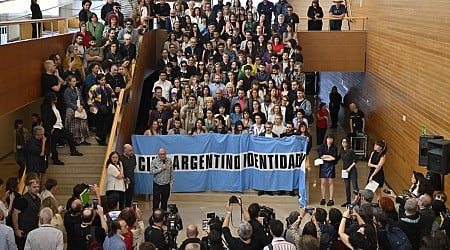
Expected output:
(333, 51)
(22, 67)
(407, 73)
(146, 63)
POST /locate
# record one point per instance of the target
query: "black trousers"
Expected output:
(320, 135)
(56, 136)
(20, 242)
(119, 194)
(161, 195)
(104, 123)
(334, 113)
(129, 193)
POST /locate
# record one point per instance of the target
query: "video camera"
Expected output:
(268, 214)
(214, 222)
(173, 224)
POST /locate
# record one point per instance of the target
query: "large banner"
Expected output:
(224, 162)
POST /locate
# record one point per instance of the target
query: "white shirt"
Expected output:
(166, 87)
(45, 237)
(58, 124)
(112, 183)
(279, 243)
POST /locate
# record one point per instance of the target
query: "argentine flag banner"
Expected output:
(224, 162)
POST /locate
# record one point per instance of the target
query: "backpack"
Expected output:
(397, 238)
(93, 243)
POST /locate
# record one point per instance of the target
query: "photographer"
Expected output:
(88, 229)
(213, 241)
(293, 225)
(154, 233)
(245, 240)
(359, 239)
(259, 235)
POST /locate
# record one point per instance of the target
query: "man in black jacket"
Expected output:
(410, 222)
(154, 233)
(258, 235)
(53, 125)
(34, 151)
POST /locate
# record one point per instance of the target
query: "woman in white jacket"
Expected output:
(115, 184)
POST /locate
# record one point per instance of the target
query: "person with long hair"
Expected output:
(328, 153)
(199, 128)
(235, 114)
(387, 206)
(154, 129)
(101, 101)
(76, 124)
(322, 122)
(302, 130)
(349, 160)
(335, 105)
(247, 121)
(20, 137)
(115, 184)
(315, 14)
(375, 163)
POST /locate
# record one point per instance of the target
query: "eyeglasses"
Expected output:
(129, 24)
(273, 58)
(201, 64)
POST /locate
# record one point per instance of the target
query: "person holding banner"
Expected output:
(328, 153)
(163, 177)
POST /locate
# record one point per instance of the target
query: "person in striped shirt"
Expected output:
(278, 242)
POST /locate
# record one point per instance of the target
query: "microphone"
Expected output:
(164, 161)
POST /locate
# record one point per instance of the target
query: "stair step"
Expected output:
(86, 158)
(88, 168)
(92, 149)
(75, 178)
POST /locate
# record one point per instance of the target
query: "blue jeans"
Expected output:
(352, 177)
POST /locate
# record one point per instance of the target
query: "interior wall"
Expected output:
(406, 84)
(7, 125)
(21, 72)
(22, 68)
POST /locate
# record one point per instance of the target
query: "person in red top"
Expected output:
(322, 123)
(278, 46)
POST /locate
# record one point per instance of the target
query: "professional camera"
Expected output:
(233, 199)
(268, 214)
(173, 224)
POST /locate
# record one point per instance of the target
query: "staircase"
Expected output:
(76, 169)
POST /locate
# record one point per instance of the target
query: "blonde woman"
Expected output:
(57, 220)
